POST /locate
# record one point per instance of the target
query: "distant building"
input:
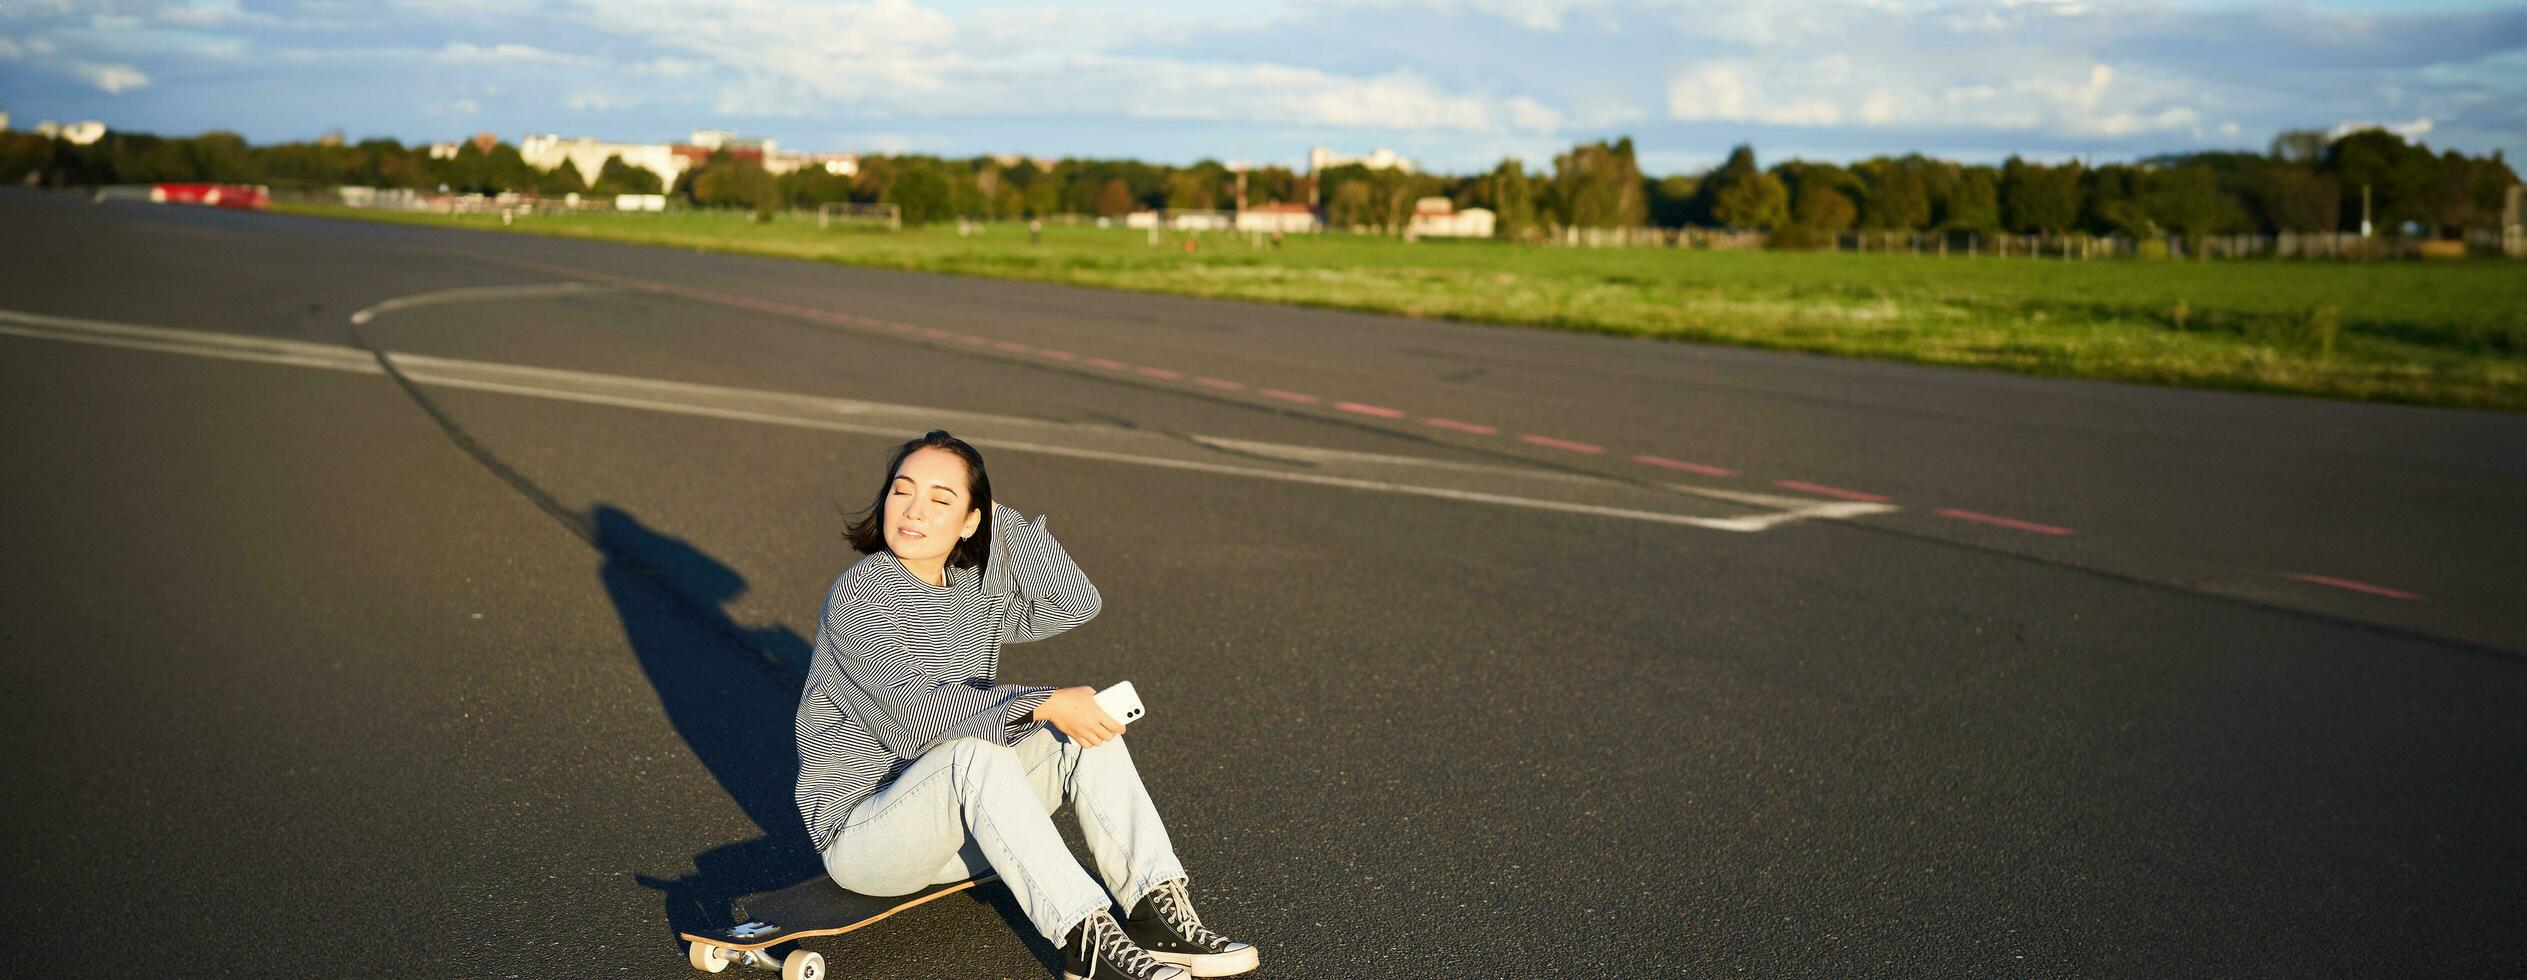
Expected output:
(837, 164)
(1437, 217)
(4, 120)
(1321, 159)
(1014, 159)
(545, 152)
(330, 137)
(670, 161)
(485, 141)
(1279, 219)
(443, 151)
(1180, 219)
(82, 133)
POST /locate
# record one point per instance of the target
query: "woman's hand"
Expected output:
(1075, 713)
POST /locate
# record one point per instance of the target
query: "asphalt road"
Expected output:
(482, 666)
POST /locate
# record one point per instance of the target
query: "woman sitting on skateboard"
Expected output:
(917, 766)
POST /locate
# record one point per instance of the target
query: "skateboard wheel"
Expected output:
(705, 957)
(803, 965)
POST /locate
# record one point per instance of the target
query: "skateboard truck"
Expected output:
(799, 965)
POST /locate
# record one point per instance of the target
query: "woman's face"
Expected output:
(927, 509)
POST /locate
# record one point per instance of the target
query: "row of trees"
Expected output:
(2308, 181)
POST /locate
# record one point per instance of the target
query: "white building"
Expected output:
(1437, 217)
(1179, 219)
(837, 164)
(1279, 219)
(82, 133)
(544, 152)
(1321, 159)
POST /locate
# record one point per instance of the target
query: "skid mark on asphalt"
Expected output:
(2349, 585)
(2007, 522)
(471, 294)
(1544, 490)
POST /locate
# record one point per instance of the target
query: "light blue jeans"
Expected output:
(968, 807)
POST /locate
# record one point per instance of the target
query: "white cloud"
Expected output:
(1714, 91)
(1604, 115)
(1533, 116)
(1875, 90)
(112, 79)
(460, 53)
(10, 49)
(211, 14)
(1541, 16)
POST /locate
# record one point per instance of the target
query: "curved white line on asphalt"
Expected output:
(866, 418)
(469, 294)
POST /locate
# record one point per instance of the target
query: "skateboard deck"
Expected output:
(816, 907)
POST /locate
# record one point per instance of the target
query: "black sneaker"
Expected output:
(1099, 950)
(1164, 924)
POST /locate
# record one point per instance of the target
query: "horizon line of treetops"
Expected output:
(2308, 181)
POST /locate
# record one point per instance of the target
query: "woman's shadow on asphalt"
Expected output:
(731, 692)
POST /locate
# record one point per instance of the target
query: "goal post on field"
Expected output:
(832, 213)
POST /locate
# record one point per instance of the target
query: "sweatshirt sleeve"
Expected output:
(917, 709)
(1048, 593)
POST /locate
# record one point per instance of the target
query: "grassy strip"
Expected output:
(2450, 334)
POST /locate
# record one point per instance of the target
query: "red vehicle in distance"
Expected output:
(250, 196)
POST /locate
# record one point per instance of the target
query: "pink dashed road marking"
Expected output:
(1059, 355)
(1162, 373)
(1480, 430)
(1678, 464)
(1380, 411)
(1806, 487)
(1577, 447)
(1010, 345)
(935, 332)
(2015, 525)
(2344, 583)
(1108, 365)
(968, 338)
(1287, 396)
(1221, 384)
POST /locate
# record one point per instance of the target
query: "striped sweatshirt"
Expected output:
(902, 665)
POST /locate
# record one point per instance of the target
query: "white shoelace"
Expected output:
(1177, 908)
(1105, 934)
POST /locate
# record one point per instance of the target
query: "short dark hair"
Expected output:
(867, 532)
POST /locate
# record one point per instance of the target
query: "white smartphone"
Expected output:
(1122, 702)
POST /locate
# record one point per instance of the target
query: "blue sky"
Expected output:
(1457, 84)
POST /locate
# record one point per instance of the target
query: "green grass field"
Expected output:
(2443, 333)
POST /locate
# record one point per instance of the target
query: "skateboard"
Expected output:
(816, 907)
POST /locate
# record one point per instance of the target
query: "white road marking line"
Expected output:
(467, 294)
(199, 343)
(1312, 454)
(859, 417)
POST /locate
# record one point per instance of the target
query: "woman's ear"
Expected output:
(973, 523)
